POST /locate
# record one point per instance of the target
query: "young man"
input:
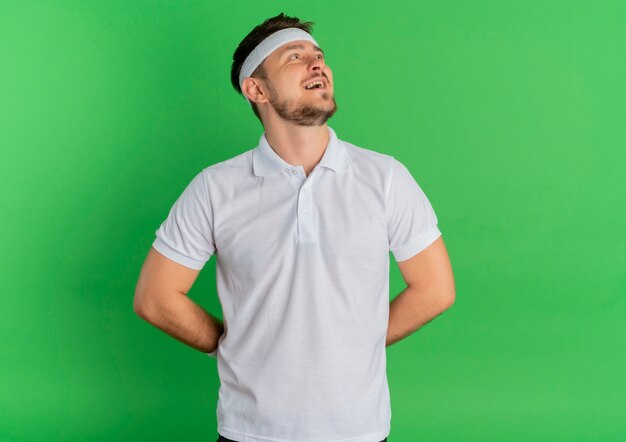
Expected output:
(301, 227)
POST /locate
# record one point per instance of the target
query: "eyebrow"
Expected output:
(301, 46)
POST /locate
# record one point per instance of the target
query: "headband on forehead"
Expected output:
(269, 45)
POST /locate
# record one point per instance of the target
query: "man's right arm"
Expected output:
(161, 299)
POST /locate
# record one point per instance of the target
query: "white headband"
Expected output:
(269, 45)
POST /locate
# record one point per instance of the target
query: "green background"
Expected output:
(510, 115)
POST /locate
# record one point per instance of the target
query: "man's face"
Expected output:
(289, 69)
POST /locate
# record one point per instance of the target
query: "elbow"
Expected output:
(139, 309)
(141, 306)
(448, 293)
(448, 300)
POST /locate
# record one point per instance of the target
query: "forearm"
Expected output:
(184, 320)
(411, 310)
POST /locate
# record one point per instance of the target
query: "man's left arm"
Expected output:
(430, 291)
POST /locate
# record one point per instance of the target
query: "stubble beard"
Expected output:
(304, 114)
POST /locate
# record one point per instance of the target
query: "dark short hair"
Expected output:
(251, 41)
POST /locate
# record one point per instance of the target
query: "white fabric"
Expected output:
(269, 45)
(303, 280)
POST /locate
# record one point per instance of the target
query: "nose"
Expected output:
(318, 63)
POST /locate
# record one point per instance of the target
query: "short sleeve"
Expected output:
(411, 220)
(186, 235)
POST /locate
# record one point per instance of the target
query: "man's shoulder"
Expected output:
(230, 167)
(366, 153)
(368, 159)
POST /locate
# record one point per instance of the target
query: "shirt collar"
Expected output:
(266, 161)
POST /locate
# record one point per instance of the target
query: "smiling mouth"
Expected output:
(317, 84)
(317, 88)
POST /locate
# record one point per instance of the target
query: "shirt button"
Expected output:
(294, 171)
(305, 211)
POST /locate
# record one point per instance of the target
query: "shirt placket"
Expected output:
(305, 215)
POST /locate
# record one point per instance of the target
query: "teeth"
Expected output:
(311, 85)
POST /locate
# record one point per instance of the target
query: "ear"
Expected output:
(251, 88)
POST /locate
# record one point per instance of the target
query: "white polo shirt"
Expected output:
(303, 279)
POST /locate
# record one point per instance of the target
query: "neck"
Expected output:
(299, 145)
